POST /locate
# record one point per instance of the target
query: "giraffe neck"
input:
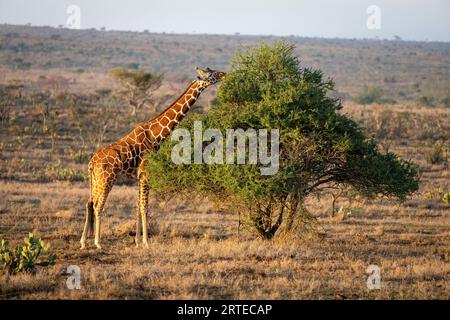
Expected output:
(170, 117)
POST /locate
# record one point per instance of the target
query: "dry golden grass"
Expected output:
(195, 251)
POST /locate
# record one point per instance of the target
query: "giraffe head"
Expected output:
(209, 76)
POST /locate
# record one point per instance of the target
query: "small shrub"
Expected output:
(24, 258)
(81, 157)
(56, 172)
(370, 95)
(446, 101)
(344, 213)
(5, 112)
(426, 101)
(436, 155)
(446, 198)
(435, 194)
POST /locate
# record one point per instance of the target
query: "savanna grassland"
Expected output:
(64, 108)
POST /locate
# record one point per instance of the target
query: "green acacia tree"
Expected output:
(137, 86)
(319, 148)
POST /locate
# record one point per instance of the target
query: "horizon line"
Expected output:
(235, 34)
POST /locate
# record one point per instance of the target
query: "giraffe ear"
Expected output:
(201, 73)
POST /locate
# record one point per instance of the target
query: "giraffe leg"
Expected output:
(143, 195)
(138, 236)
(98, 210)
(143, 200)
(88, 225)
(97, 230)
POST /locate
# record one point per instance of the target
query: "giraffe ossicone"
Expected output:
(125, 157)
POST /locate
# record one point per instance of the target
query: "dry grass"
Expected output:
(195, 250)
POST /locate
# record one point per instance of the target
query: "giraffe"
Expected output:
(125, 157)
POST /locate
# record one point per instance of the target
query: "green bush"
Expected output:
(446, 198)
(370, 95)
(446, 101)
(26, 257)
(267, 88)
(56, 171)
(436, 154)
(426, 101)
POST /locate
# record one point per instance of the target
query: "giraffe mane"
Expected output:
(175, 101)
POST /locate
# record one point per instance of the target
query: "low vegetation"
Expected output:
(26, 257)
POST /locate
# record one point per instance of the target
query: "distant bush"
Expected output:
(132, 65)
(137, 85)
(81, 157)
(446, 101)
(57, 172)
(20, 64)
(436, 154)
(25, 258)
(103, 92)
(391, 79)
(372, 95)
(426, 101)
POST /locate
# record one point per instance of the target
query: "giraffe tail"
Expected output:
(90, 217)
(90, 209)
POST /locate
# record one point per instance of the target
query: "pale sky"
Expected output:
(409, 19)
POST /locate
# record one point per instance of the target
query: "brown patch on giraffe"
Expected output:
(164, 121)
(157, 130)
(164, 132)
(140, 137)
(171, 114)
(185, 109)
(177, 108)
(154, 126)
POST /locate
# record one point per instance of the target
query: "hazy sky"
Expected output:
(409, 19)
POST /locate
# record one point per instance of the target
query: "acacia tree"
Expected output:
(137, 86)
(319, 148)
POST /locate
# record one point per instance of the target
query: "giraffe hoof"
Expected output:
(99, 247)
(145, 245)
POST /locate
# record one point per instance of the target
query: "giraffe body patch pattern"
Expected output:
(125, 157)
